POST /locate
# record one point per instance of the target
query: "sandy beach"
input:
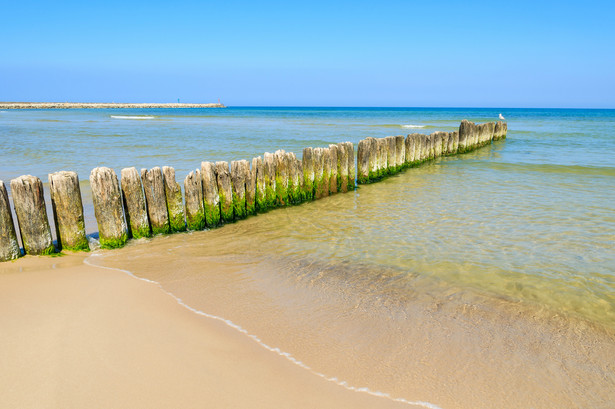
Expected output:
(76, 336)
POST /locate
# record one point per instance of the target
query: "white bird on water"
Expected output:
(502, 117)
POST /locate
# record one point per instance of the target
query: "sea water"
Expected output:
(502, 258)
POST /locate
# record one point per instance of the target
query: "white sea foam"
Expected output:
(275, 350)
(413, 126)
(132, 116)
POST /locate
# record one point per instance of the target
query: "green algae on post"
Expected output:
(295, 188)
(260, 200)
(225, 191)
(281, 178)
(135, 207)
(112, 230)
(9, 247)
(193, 193)
(270, 182)
(333, 154)
(238, 185)
(250, 187)
(211, 198)
(351, 165)
(342, 168)
(156, 200)
(29, 203)
(307, 163)
(175, 202)
(68, 211)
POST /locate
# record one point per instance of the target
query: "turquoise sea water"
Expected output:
(531, 218)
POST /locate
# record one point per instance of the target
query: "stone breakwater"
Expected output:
(97, 105)
(150, 202)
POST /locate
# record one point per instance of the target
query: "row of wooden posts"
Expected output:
(150, 202)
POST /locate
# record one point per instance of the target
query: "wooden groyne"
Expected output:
(150, 202)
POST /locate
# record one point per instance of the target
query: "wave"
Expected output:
(414, 126)
(132, 116)
(404, 126)
(255, 338)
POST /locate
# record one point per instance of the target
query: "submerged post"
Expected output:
(9, 247)
(342, 167)
(211, 198)
(156, 200)
(238, 184)
(351, 167)
(193, 192)
(135, 207)
(29, 205)
(363, 155)
(175, 202)
(68, 211)
(225, 191)
(107, 200)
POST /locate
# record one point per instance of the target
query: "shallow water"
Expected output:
(493, 269)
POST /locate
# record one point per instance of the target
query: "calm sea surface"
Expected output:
(503, 258)
(532, 217)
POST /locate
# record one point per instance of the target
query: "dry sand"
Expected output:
(77, 336)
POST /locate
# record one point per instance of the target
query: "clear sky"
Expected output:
(311, 53)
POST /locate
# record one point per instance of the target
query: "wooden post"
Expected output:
(156, 200)
(251, 188)
(238, 185)
(225, 191)
(333, 154)
(112, 230)
(437, 144)
(363, 163)
(135, 207)
(281, 178)
(175, 202)
(400, 152)
(31, 214)
(391, 148)
(374, 159)
(410, 144)
(320, 186)
(455, 138)
(270, 183)
(68, 211)
(211, 198)
(464, 134)
(351, 166)
(261, 188)
(383, 164)
(342, 167)
(295, 190)
(9, 247)
(193, 192)
(307, 162)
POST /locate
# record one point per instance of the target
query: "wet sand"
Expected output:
(76, 336)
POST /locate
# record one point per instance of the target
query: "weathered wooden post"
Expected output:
(281, 178)
(175, 202)
(490, 131)
(319, 167)
(464, 133)
(107, 198)
(499, 131)
(238, 185)
(9, 247)
(400, 151)
(342, 167)
(270, 182)
(68, 211)
(225, 191)
(260, 198)
(391, 148)
(31, 214)
(307, 162)
(383, 164)
(374, 159)
(250, 188)
(193, 192)
(211, 198)
(410, 145)
(326, 170)
(351, 166)
(455, 138)
(333, 154)
(135, 207)
(445, 138)
(295, 190)
(363, 169)
(437, 143)
(156, 200)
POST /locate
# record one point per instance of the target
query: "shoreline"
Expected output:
(101, 105)
(77, 335)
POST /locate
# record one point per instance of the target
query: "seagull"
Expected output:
(502, 117)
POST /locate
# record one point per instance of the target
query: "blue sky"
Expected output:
(316, 53)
